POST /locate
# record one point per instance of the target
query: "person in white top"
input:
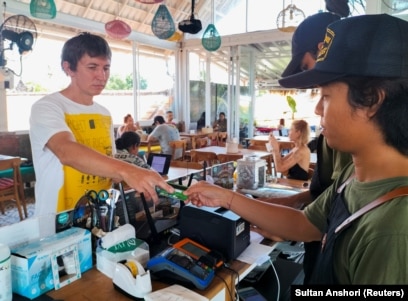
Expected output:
(72, 137)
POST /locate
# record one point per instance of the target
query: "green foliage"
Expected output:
(117, 83)
(292, 103)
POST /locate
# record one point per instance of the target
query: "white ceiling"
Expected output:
(74, 16)
(271, 49)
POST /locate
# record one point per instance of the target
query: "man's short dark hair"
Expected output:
(84, 43)
(159, 119)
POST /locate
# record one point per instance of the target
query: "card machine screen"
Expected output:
(186, 261)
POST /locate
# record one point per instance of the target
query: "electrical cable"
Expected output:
(226, 285)
(234, 293)
(277, 279)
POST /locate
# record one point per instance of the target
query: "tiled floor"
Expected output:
(11, 215)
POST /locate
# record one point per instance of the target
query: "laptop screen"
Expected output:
(159, 162)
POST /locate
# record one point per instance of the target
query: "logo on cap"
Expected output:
(328, 41)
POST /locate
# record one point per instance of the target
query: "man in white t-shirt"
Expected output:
(164, 133)
(72, 137)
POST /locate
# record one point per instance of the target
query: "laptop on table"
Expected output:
(159, 162)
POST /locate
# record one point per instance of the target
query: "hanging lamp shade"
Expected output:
(149, 1)
(177, 36)
(43, 9)
(289, 18)
(118, 29)
(211, 39)
(163, 25)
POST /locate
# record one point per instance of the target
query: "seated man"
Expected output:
(164, 133)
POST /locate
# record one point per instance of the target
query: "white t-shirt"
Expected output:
(166, 133)
(59, 187)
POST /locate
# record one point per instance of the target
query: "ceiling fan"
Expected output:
(191, 25)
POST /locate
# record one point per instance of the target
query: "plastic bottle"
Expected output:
(6, 293)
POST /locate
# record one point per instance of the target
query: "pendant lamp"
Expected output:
(43, 9)
(163, 25)
(211, 39)
(176, 37)
(289, 18)
(117, 29)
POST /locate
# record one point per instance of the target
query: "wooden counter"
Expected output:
(95, 285)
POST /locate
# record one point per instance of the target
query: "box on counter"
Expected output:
(106, 261)
(31, 263)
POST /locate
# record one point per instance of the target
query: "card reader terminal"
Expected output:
(187, 262)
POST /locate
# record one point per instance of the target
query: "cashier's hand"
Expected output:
(145, 181)
(206, 194)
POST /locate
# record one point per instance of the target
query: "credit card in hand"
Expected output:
(177, 194)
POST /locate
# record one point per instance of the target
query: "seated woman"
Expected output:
(295, 165)
(129, 125)
(127, 149)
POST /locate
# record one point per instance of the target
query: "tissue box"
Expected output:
(106, 261)
(31, 268)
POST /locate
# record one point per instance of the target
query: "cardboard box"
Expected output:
(31, 268)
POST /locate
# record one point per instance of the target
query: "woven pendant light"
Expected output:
(118, 29)
(163, 25)
(211, 39)
(43, 9)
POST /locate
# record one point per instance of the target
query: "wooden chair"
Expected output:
(209, 157)
(176, 145)
(186, 164)
(222, 158)
(201, 142)
(12, 188)
(222, 138)
(213, 138)
(254, 142)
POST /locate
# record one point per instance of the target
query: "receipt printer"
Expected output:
(218, 229)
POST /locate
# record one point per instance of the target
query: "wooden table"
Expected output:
(6, 157)
(284, 142)
(193, 137)
(94, 285)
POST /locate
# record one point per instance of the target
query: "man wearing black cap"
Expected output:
(362, 72)
(164, 133)
(305, 46)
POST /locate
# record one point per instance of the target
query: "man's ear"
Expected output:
(66, 68)
(374, 108)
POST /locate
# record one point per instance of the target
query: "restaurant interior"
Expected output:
(221, 60)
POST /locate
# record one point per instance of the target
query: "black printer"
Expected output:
(218, 229)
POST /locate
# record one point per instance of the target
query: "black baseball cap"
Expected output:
(159, 119)
(306, 37)
(368, 45)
